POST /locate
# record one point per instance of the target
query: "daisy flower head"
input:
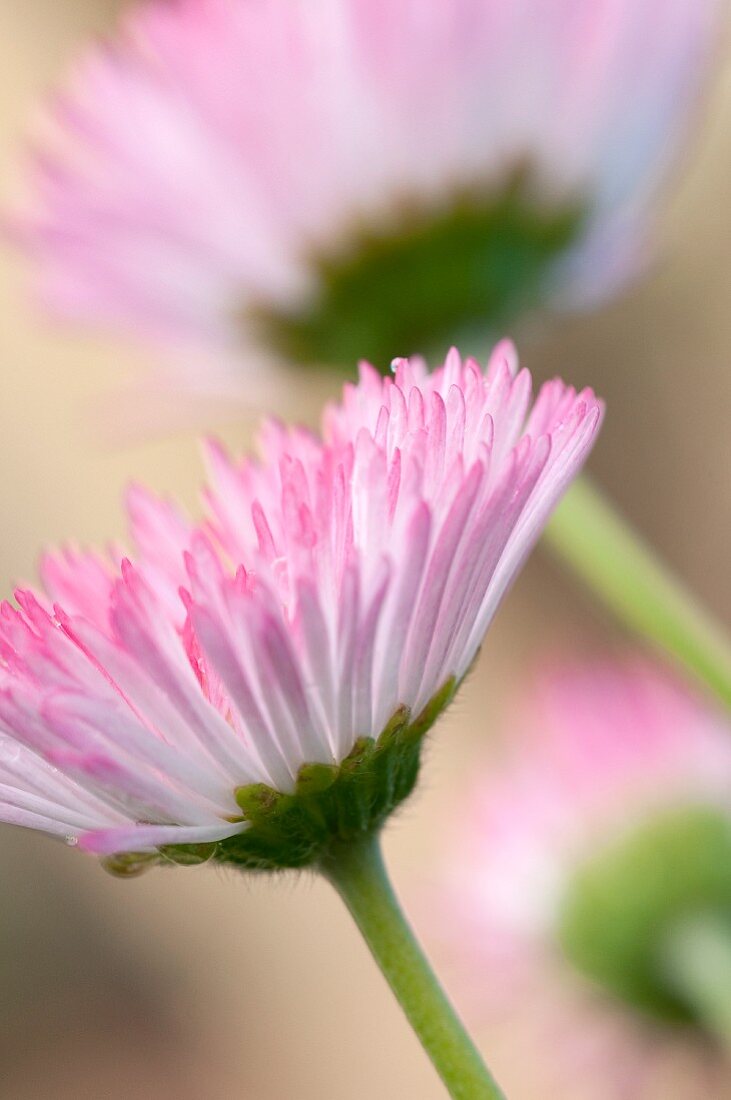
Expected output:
(592, 888)
(257, 685)
(254, 183)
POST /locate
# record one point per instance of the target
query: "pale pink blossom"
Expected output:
(593, 753)
(332, 581)
(196, 164)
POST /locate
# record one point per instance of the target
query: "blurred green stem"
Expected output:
(624, 572)
(358, 874)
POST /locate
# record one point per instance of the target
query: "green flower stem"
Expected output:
(358, 874)
(603, 549)
(696, 961)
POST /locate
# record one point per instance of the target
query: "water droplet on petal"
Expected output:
(129, 864)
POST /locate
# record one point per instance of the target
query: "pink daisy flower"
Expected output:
(249, 678)
(601, 836)
(248, 183)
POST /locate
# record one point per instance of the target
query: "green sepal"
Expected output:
(313, 778)
(332, 804)
(439, 702)
(395, 727)
(257, 800)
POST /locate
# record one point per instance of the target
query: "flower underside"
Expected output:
(459, 273)
(332, 804)
(623, 906)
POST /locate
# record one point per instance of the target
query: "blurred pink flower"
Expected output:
(226, 162)
(597, 755)
(333, 582)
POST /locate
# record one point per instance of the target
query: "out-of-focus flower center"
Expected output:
(623, 908)
(458, 273)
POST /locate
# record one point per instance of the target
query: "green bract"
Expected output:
(331, 805)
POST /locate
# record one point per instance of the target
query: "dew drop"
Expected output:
(129, 864)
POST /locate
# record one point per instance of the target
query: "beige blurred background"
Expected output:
(203, 984)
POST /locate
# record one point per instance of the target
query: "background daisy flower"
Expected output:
(592, 890)
(246, 184)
